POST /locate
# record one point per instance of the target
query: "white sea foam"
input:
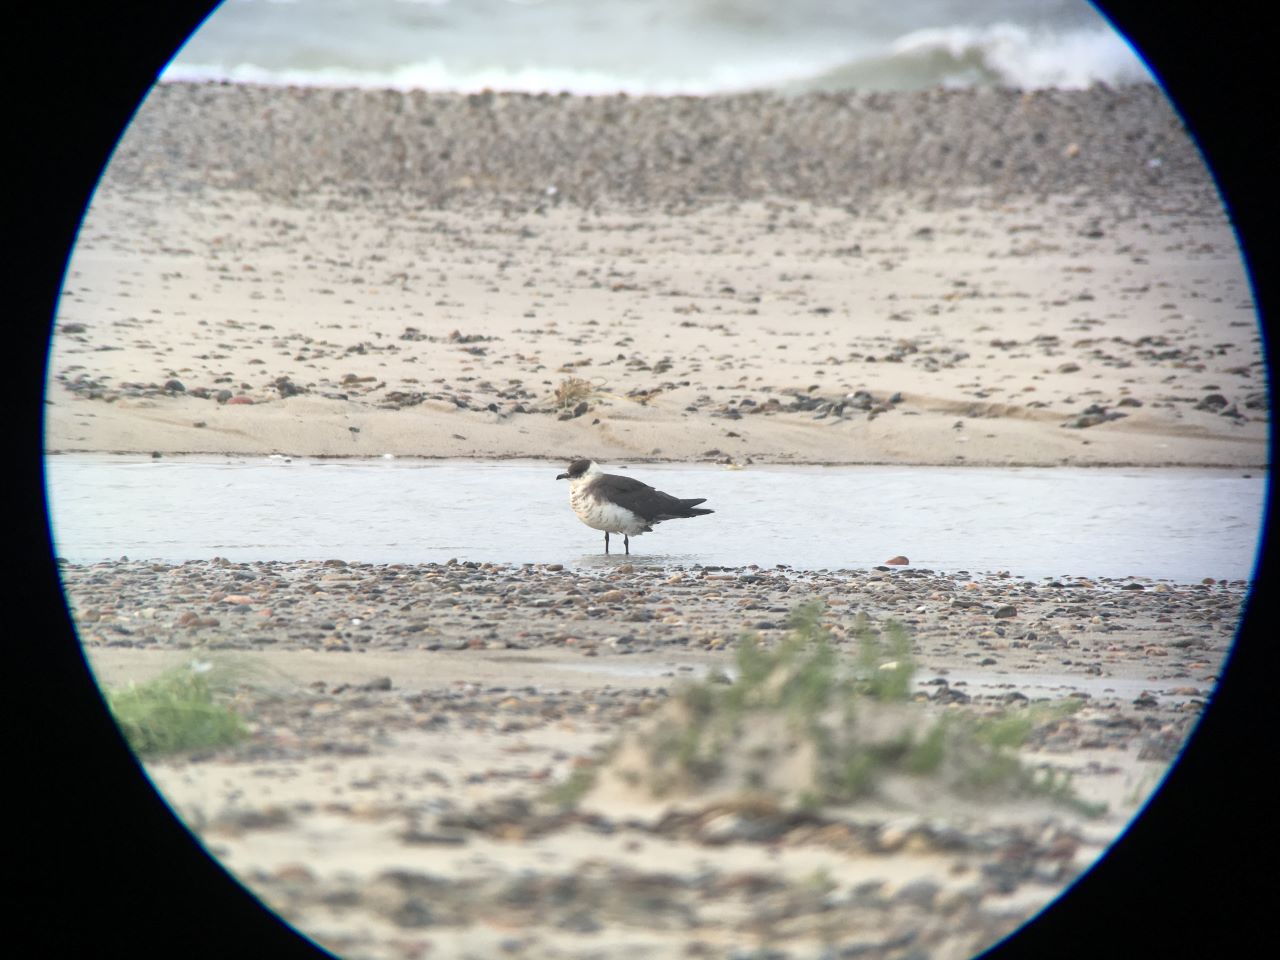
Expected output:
(659, 47)
(1018, 57)
(436, 75)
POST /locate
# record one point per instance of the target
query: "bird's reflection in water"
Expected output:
(641, 561)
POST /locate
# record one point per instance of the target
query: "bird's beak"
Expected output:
(563, 476)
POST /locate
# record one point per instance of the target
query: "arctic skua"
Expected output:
(615, 504)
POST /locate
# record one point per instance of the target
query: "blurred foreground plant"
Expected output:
(801, 724)
(173, 712)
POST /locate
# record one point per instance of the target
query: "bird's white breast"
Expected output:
(602, 515)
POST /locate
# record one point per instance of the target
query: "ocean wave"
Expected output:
(435, 75)
(1015, 56)
(1001, 54)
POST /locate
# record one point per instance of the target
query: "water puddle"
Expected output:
(1031, 685)
(1175, 524)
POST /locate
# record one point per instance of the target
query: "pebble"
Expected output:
(920, 893)
(656, 151)
(331, 604)
(339, 606)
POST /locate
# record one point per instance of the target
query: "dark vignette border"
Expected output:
(101, 863)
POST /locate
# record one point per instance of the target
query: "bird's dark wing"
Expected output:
(642, 499)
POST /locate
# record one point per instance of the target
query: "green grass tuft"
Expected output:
(927, 755)
(568, 793)
(172, 713)
(802, 683)
(885, 666)
(803, 724)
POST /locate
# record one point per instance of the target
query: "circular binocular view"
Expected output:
(630, 480)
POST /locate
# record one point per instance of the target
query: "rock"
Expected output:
(893, 837)
(580, 921)
(1007, 610)
(919, 893)
(287, 387)
(1257, 401)
(294, 873)
(1212, 402)
(946, 694)
(899, 561)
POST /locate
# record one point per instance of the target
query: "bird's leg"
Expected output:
(626, 542)
(606, 541)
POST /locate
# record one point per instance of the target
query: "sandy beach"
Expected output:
(952, 277)
(982, 278)
(409, 726)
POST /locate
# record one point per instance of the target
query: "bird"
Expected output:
(615, 504)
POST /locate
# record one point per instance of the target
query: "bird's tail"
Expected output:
(690, 507)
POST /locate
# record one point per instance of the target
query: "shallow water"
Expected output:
(1180, 525)
(1038, 685)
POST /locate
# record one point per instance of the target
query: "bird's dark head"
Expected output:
(576, 469)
